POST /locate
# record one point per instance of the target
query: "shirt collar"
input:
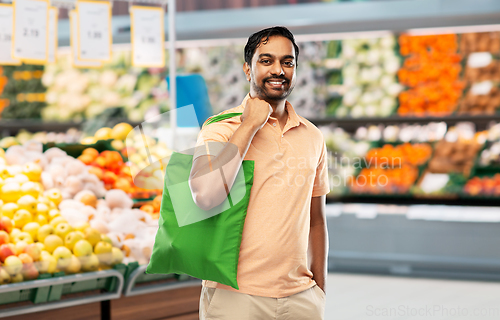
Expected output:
(293, 118)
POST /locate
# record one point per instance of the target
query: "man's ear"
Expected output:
(246, 69)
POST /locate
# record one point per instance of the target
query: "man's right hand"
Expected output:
(256, 113)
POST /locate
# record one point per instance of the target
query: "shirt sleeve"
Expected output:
(321, 186)
(212, 139)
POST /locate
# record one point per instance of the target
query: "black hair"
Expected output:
(262, 36)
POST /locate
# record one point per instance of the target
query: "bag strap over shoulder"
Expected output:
(221, 117)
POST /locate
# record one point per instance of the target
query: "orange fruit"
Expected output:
(91, 152)
(97, 171)
(89, 200)
(148, 208)
(86, 158)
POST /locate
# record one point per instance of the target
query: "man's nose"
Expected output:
(277, 69)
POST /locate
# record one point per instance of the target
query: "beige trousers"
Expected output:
(220, 304)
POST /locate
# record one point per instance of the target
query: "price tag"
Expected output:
(77, 63)
(6, 24)
(481, 88)
(148, 37)
(479, 59)
(31, 32)
(53, 13)
(94, 30)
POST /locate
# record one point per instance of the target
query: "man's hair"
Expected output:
(262, 36)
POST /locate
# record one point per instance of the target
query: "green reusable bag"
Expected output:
(207, 249)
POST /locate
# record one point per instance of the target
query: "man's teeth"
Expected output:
(276, 82)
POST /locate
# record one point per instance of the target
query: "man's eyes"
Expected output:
(286, 63)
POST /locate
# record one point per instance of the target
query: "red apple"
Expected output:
(5, 251)
(4, 237)
(6, 224)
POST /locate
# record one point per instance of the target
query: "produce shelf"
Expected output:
(60, 291)
(138, 282)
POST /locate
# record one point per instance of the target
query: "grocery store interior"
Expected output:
(93, 103)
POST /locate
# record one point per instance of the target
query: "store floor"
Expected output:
(358, 297)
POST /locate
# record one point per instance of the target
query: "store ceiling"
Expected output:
(318, 18)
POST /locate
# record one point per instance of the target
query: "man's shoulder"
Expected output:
(310, 127)
(233, 120)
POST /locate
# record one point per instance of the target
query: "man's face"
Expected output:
(272, 74)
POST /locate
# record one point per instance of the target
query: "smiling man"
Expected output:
(283, 254)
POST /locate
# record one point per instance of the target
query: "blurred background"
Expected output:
(406, 93)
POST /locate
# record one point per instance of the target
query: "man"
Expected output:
(285, 218)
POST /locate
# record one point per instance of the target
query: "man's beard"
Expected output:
(271, 95)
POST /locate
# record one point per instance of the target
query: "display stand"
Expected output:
(60, 292)
(138, 282)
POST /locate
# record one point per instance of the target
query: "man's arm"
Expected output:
(208, 193)
(318, 241)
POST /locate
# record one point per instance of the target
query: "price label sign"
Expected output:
(148, 37)
(94, 30)
(53, 13)
(77, 63)
(31, 31)
(6, 24)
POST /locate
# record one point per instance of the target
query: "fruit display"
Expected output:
(480, 42)
(431, 71)
(482, 73)
(343, 156)
(72, 135)
(118, 134)
(23, 95)
(456, 157)
(76, 94)
(36, 238)
(485, 186)
(385, 180)
(108, 167)
(369, 77)
(407, 153)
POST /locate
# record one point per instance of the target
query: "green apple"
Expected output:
(27, 202)
(17, 278)
(89, 263)
(47, 263)
(14, 232)
(32, 229)
(103, 250)
(13, 265)
(62, 229)
(21, 218)
(107, 239)
(117, 256)
(44, 231)
(54, 222)
(74, 265)
(4, 276)
(72, 238)
(40, 245)
(51, 242)
(81, 226)
(63, 257)
(92, 236)
(9, 209)
(42, 208)
(23, 236)
(82, 248)
(41, 219)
